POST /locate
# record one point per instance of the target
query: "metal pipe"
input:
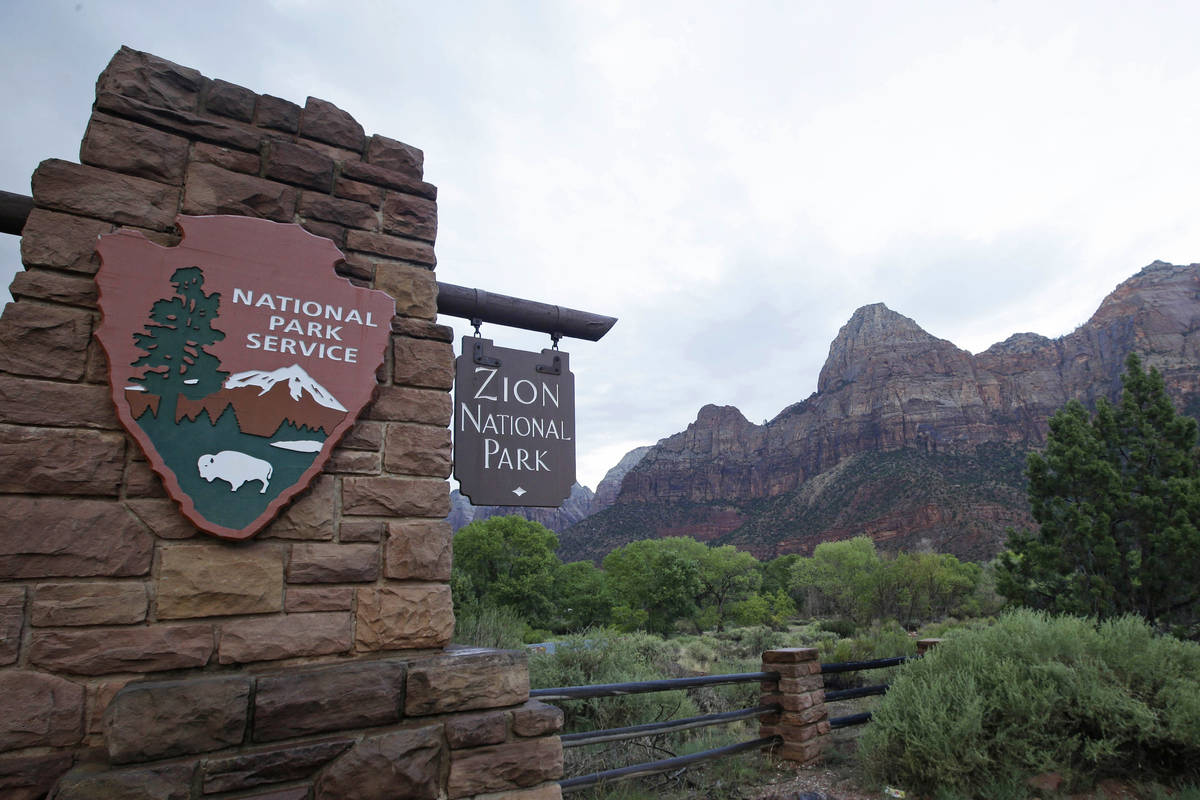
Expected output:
(637, 687)
(658, 728)
(454, 301)
(529, 315)
(666, 765)
(14, 210)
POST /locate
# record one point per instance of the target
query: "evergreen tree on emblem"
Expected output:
(174, 340)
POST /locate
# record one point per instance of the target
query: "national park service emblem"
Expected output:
(237, 360)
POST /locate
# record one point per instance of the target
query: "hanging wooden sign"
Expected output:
(237, 360)
(514, 425)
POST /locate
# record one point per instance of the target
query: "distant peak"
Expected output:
(715, 414)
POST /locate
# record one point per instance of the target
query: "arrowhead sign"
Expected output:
(514, 425)
(237, 360)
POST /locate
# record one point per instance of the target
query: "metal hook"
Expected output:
(475, 323)
(554, 337)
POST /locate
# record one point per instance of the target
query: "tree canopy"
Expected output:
(1116, 496)
(507, 561)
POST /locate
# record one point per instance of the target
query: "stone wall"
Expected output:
(140, 658)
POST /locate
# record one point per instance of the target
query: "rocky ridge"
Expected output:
(963, 421)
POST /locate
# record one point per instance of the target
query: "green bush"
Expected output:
(990, 707)
(601, 656)
(483, 625)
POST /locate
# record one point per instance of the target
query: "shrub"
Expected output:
(483, 625)
(991, 707)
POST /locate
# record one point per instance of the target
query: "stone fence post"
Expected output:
(803, 721)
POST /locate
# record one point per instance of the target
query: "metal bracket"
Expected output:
(482, 360)
(554, 368)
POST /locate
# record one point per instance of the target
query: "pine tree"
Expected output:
(1117, 499)
(173, 343)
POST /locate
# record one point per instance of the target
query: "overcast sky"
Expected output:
(731, 180)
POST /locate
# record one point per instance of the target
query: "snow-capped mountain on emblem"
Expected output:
(237, 360)
(299, 382)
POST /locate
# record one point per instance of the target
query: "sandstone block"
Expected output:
(29, 401)
(467, 679)
(387, 178)
(54, 287)
(162, 782)
(295, 793)
(361, 530)
(807, 716)
(303, 166)
(62, 241)
(476, 730)
(44, 341)
(300, 599)
(310, 517)
(363, 436)
(504, 766)
(409, 215)
(398, 497)
(418, 550)
(31, 777)
(286, 636)
(354, 462)
(70, 604)
(91, 192)
(333, 563)
(405, 763)
(275, 765)
(359, 192)
(341, 697)
(161, 516)
(103, 651)
(422, 329)
(150, 79)
(404, 616)
(349, 213)
(99, 695)
(799, 670)
(805, 752)
(536, 718)
(383, 244)
(809, 683)
(790, 655)
(40, 710)
(418, 450)
(226, 158)
(123, 146)
(212, 190)
(229, 100)
(60, 461)
(12, 622)
(140, 481)
(325, 122)
(413, 288)
(336, 234)
(193, 126)
(278, 114)
(422, 362)
(404, 404)
(395, 156)
(74, 538)
(160, 719)
(208, 580)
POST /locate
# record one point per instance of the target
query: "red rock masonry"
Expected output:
(103, 582)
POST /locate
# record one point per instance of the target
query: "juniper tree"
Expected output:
(1116, 496)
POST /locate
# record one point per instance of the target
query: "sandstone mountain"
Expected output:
(908, 438)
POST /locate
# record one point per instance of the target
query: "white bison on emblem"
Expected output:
(235, 468)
